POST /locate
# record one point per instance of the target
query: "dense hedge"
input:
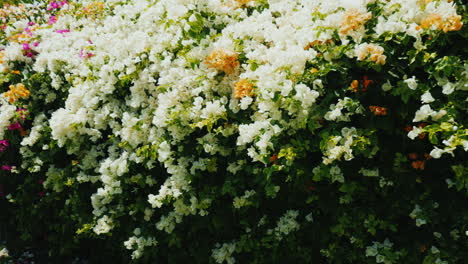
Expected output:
(247, 131)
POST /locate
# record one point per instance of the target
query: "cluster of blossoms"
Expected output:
(172, 111)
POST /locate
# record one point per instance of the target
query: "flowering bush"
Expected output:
(234, 131)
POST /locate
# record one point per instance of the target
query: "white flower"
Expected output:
(448, 88)
(245, 102)
(387, 86)
(423, 113)
(412, 83)
(4, 253)
(414, 132)
(427, 98)
(243, 200)
(104, 225)
(223, 253)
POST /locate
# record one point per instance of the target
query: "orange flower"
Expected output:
(366, 83)
(378, 110)
(243, 88)
(413, 156)
(418, 164)
(314, 70)
(354, 86)
(22, 132)
(16, 92)
(374, 53)
(422, 248)
(242, 3)
(353, 20)
(273, 158)
(223, 60)
(435, 21)
(93, 9)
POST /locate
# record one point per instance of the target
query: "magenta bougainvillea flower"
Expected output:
(4, 145)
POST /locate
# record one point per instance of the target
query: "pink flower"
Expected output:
(53, 5)
(52, 20)
(15, 126)
(4, 145)
(30, 23)
(87, 55)
(7, 167)
(26, 46)
(30, 55)
(41, 194)
(61, 31)
(35, 44)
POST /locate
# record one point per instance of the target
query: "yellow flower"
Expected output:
(2, 56)
(243, 88)
(16, 92)
(354, 86)
(223, 60)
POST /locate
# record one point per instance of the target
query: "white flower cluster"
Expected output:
(417, 214)
(104, 225)
(347, 103)
(376, 249)
(138, 243)
(243, 201)
(7, 112)
(4, 253)
(285, 225)
(223, 253)
(340, 146)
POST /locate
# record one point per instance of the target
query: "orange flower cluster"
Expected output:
(2, 56)
(93, 9)
(419, 164)
(353, 20)
(243, 88)
(374, 52)
(452, 23)
(241, 3)
(378, 110)
(317, 43)
(223, 60)
(16, 92)
(365, 84)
